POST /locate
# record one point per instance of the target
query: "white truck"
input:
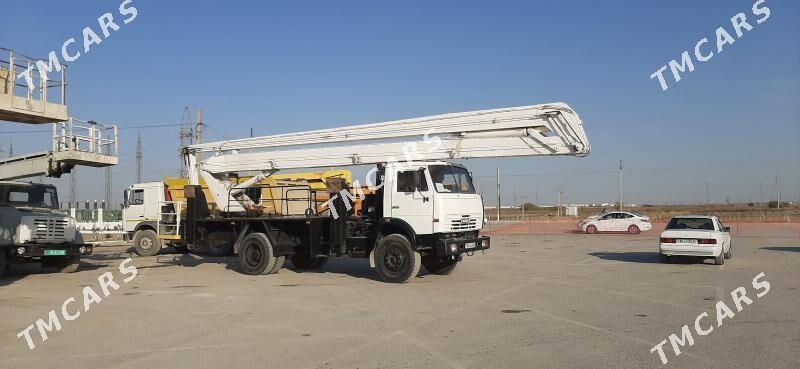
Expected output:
(422, 210)
(33, 230)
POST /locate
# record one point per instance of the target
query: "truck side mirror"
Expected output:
(418, 175)
(125, 198)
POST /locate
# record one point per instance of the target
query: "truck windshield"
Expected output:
(28, 195)
(451, 179)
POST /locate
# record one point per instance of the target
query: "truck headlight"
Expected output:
(82, 249)
(485, 243)
(20, 250)
(453, 247)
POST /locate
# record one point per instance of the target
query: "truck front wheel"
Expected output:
(395, 260)
(146, 242)
(67, 264)
(439, 266)
(256, 255)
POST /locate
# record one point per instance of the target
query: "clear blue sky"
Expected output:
(284, 66)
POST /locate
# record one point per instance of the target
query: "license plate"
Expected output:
(55, 252)
(470, 245)
(686, 240)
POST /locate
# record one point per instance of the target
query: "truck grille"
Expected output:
(463, 223)
(50, 230)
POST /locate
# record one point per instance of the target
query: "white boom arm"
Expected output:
(551, 129)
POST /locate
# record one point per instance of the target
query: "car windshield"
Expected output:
(691, 223)
(28, 195)
(451, 179)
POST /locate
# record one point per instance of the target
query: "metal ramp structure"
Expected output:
(75, 142)
(28, 98)
(34, 100)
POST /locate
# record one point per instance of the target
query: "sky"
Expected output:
(286, 66)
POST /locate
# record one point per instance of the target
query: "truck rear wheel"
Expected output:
(278, 264)
(395, 260)
(220, 243)
(146, 242)
(439, 266)
(256, 255)
(67, 264)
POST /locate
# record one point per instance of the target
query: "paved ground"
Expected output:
(544, 301)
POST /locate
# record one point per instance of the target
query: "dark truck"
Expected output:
(33, 230)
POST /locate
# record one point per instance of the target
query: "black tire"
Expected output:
(3, 261)
(256, 255)
(592, 229)
(278, 264)
(395, 260)
(664, 259)
(719, 259)
(67, 264)
(219, 247)
(146, 242)
(634, 229)
(438, 266)
(729, 254)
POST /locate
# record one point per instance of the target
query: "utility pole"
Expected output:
(498, 193)
(73, 202)
(777, 185)
(620, 185)
(139, 157)
(560, 198)
(708, 194)
(185, 135)
(199, 127)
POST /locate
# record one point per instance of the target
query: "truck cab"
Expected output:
(33, 230)
(140, 216)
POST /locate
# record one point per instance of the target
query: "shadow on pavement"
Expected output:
(646, 257)
(782, 248)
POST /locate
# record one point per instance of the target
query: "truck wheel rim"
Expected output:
(394, 260)
(145, 243)
(253, 256)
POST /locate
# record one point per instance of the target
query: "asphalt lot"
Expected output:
(533, 301)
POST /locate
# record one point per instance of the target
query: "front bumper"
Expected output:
(460, 246)
(690, 250)
(42, 250)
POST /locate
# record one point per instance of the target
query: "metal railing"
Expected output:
(13, 66)
(86, 136)
(277, 200)
(169, 218)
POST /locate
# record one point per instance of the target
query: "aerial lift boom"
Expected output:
(550, 129)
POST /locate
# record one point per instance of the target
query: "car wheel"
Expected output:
(3, 262)
(719, 259)
(592, 229)
(729, 254)
(634, 229)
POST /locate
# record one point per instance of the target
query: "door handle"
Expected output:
(395, 206)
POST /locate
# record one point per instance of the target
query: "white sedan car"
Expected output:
(616, 221)
(696, 235)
